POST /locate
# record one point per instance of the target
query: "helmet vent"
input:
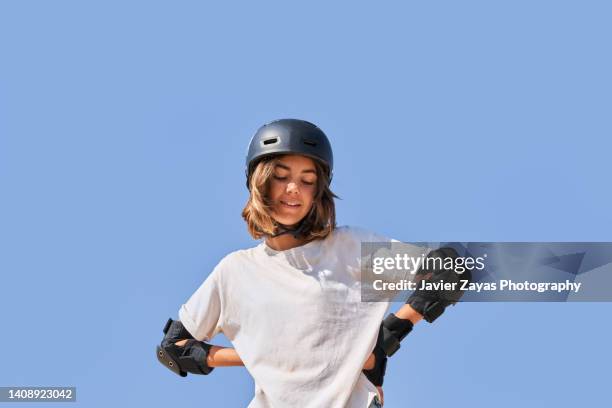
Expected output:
(270, 141)
(310, 143)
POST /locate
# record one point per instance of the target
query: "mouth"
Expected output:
(290, 204)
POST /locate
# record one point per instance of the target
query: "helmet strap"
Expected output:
(298, 230)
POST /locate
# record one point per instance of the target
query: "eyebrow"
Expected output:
(282, 166)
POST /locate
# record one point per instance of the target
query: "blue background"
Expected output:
(123, 131)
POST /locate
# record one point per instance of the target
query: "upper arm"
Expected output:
(202, 313)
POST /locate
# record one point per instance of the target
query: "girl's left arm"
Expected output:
(408, 313)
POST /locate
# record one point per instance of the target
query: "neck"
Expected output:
(284, 242)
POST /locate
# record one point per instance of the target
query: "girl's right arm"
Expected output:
(223, 357)
(219, 356)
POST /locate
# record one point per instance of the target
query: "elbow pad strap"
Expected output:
(174, 330)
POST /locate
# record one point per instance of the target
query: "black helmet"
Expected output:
(289, 136)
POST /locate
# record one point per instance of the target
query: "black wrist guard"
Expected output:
(393, 330)
(376, 375)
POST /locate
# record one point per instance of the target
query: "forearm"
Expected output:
(219, 356)
(223, 357)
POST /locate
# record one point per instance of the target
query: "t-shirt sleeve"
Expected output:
(201, 314)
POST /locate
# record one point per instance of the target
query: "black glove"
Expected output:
(189, 358)
(432, 302)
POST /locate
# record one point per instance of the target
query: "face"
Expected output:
(292, 189)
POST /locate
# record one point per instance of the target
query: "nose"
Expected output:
(292, 188)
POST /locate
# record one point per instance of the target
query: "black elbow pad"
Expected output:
(189, 358)
(430, 302)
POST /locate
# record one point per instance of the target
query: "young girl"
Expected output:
(291, 306)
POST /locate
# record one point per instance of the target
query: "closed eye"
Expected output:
(283, 178)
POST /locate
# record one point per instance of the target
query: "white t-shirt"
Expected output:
(296, 320)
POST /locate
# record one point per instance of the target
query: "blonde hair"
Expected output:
(321, 220)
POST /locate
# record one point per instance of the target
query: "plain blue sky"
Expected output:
(123, 130)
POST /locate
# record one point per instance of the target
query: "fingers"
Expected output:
(382, 396)
(181, 343)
